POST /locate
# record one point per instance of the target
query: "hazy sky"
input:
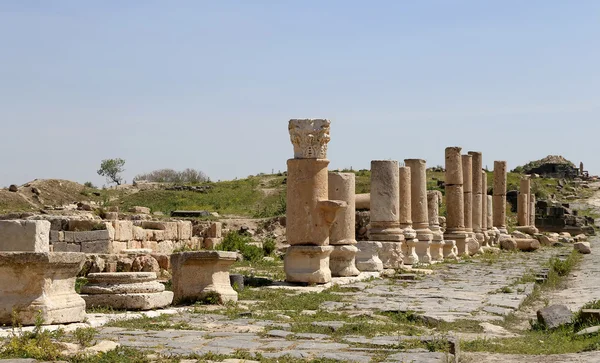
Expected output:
(211, 85)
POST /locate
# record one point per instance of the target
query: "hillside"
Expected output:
(258, 196)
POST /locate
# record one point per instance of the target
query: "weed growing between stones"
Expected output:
(37, 344)
(161, 322)
(85, 336)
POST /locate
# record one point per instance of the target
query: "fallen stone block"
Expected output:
(508, 244)
(25, 235)
(527, 244)
(554, 316)
(583, 247)
(590, 330)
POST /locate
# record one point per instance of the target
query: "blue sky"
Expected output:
(211, 85)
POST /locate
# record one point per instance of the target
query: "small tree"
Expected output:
(111, 168)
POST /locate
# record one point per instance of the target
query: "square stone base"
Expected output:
(307, 264)
(140, 301)
(367, 258)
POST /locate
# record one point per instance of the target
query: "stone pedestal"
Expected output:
(308, 264)
(310, 214)
(434, 198)
(43, 284)
(367, 257)
(342, 233)
(342, 261)
(200, 274)
(385, 225)
(125, 290)
(419, 213)
(410, 235)
(24, 235)
(455, 227)
(499, 196)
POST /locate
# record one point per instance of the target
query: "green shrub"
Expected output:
(234, 241)
(269, 246)
(37, 344)
(85, 336)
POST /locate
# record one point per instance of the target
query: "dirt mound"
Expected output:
(13, 202)
(54, 192)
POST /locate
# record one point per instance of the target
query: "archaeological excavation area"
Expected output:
(404, 262)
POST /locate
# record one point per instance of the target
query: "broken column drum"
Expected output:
(419, 213)
(433, 209)
(310, 213)
(342, 234)
(499, 196)
(384, 226)
(455, 227)
(410, 235)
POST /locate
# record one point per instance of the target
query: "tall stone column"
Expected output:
(342, 187)
(467, 163)
(434, 198)
(532, 202)
(455, 225)
(477, 193)
(500, 196)
(523, 202)
(385, 212)
(418, 206)
(484, 204)
(310, 213)
(410, 235)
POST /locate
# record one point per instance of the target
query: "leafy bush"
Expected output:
(269, 246)
(85, 336)
(234, 241)
(37, 344)
(88, 184)
(187, 176)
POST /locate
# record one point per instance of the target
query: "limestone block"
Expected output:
(59, 246)
(212, 243)
(215, 230)
(158, 235)
(123, 230)
(547, 240)
(196, 242)
(139, 233)
(309, 138)
(73, 247)
(201, 273)
(117, 246)
(309, 264)
(97, 247)
(391, 254)
(77, 225)
(450, 250)
(169, 229)
(409, 253)
(89, 236)
(342, 261)
(111, 216)
(582, 247)
(165, 246)
(184, 230)
(554, 316)
(57, 236)
(140, 210)
(24, 235)
(150, 245)
(41, 283)
(473, 246)
(508, 244)
(126, 290)
(111, 230)
(437, 250)
(367, 257)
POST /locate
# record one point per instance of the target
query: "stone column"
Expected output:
(492, 231)
(500, 196)
(410, 235)
(434, 198)
(418, 207)
(532, 209)
(455, 225)
(342, 233)
(477, 202)
(385, 212)
(523, 202)
(467, 163)
(310, 213)
(484, 206)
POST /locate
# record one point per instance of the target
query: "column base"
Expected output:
(410, 256)
(437, 250)
(367, 257)
(385, 231)
(308, 264)
(450, 250)
(424, 237)
(391, 255)
(342, 261)
(461, 242)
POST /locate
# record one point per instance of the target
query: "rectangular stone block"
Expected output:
(57, 236)
(212, 243)
(73, 247)
(69, 236)
(169, 228)
(76, 225)
(90, 236)
(158, 236)
(153, 245)
(25, 236)
(196, 242)
(59, 247)
(139, 233)
(111, 267)
(118, 246)
(215, 230)
(123, 230)
(184, 230)
(96, 247)
(166, 246)
(133, 244)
